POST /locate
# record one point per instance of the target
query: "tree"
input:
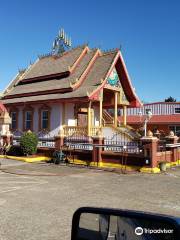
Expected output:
(170, 99)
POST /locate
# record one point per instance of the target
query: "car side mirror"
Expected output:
(114, 224)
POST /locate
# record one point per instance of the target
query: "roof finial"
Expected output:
(61, 43)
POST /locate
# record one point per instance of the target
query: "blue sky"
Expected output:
(148, 32)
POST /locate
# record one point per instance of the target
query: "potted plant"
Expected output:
(162, 166)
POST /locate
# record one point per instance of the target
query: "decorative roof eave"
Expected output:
(25, 72)
(14, 81)
(136, 103)
(72, 68)
(62, 100)
(11, 84)
(107, 106)
(79, 81)
(126, 84)
(62, 90)
(46, 77)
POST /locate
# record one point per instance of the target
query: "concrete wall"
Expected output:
(96, 116)
(69, 113)
(20, 119)
(111, 134)
(55, 119)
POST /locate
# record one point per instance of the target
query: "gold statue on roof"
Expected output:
(61, 43)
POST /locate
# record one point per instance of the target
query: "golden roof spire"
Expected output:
(61, 43)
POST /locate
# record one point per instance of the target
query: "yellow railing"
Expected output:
(81, 131)
(75, 131)
(96, 131)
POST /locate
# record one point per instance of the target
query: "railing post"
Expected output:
(59, 140)
(172, 139)
(124, 115)
(101, 108)
(115, 108)
(97, 150)
(89, 119)
(7, 139)
(5, 122)
(149, 144)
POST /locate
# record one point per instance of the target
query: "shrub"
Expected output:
(28, 143)
(14, 151)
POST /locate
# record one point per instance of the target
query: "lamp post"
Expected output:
(148, 117)
(140, 116)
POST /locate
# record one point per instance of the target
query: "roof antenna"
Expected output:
(61, 43)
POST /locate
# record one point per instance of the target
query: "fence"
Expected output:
(129, 147)
(16, 141)
(161, 145)
(46, 142)
(149, 150)
(44, 139)
(78, 142)
(120, 143)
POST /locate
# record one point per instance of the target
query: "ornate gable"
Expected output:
(113, 82)
(113, 79)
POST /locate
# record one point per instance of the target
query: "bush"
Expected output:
(28, 143)
(14, 151)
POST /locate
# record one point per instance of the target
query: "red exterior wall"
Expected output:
(124, 159)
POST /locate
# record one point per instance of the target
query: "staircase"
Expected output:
(130, 133)
(107, 118)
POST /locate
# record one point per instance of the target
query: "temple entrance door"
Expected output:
(82, 119)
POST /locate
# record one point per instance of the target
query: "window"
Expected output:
(175, 129)
(177, 110)
(13, 120)
(28, 120)
(45, 119)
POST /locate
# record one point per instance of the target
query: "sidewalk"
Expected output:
(4, 162)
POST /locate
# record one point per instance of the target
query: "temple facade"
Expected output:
(70, 93)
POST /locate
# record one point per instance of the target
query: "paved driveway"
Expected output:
(41, 207)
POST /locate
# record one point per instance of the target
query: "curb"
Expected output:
(26, 159)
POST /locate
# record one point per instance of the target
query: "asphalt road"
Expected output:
(36, 207)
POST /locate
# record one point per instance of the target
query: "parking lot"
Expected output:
(37, 201)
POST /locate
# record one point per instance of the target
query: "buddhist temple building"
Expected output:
(69, 92)
(65, 97)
